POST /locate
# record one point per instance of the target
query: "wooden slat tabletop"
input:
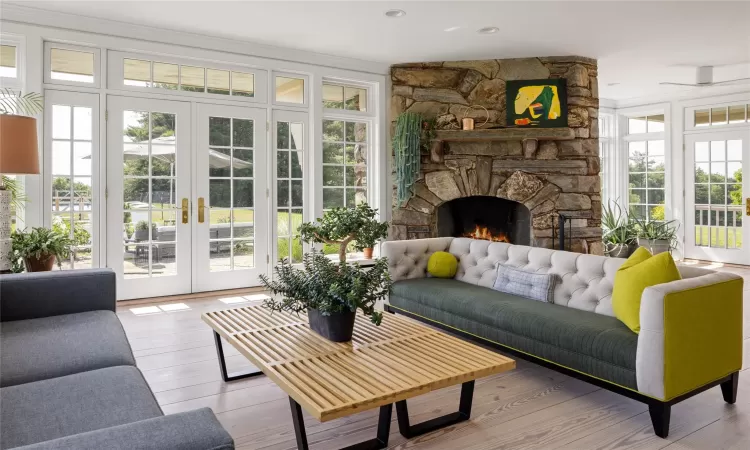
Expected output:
(382, 364)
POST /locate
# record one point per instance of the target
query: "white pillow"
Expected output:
(535, 286)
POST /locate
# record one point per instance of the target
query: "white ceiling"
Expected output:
(637, 44)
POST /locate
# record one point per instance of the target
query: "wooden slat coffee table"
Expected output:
(382, 365)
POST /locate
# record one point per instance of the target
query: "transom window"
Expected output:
(71, 65)
(345, 148)
(722, 115)
(350, 98)
(8, 61)
(186, 78)
(646, 124)
(289, 90)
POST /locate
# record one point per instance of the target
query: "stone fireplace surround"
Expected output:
(549, 170)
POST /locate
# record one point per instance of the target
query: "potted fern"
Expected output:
(40, 248)
(331, 291)
(657, 236)
(618, 231)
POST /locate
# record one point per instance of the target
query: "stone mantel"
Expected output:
(505, 134)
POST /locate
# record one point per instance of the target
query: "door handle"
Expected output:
(747, 206)
(185, 207)
(201, 209)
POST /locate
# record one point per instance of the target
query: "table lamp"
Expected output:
(18, 156)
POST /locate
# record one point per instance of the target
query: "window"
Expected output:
(289, 90)
(606, 148)
(344, 163)
(723, 115)
(646, 124)
(646, 178)
(72, 187)
(8, 61)
(289, 189)
(337, 96)
(71, 65)
(186, 78)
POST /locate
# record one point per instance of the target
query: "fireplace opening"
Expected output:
(483, 217)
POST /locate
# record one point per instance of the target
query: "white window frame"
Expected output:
(690, 116)
(98, 167)
(49, 45)
(350, 112)
(305, 94)
(19, 42)
(624, 138)
(116, 77)
(608, 142)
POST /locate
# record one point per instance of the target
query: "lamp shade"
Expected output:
(18, 145)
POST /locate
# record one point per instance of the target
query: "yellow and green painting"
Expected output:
(536, 103)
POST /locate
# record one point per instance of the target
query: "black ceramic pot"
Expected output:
(336, 327)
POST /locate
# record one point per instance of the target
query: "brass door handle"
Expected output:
(747, 206)
(201, 209)
(185, 206)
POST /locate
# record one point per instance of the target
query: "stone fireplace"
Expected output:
(544, 171)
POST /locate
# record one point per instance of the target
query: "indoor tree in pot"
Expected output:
(330, 291)
(40, 248)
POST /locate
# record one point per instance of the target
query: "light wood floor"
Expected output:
(528, 408)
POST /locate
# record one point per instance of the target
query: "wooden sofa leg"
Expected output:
(660, 413)
(729, 388)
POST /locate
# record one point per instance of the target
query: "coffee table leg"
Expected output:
(380, 442)
(223, 364)
(464, 412)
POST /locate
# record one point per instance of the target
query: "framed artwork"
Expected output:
(537, 103)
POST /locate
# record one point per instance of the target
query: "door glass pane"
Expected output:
(72, 189)
(243, 84)
(71, 65)
(231, 188)
(289, 189)
(149, 194)
(290, 90)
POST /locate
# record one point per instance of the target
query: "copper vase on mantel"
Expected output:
(43, 264)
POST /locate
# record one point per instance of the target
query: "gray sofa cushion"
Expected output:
(535, 286)
(592, 343)
(88, 401)
(192, 430)
(39, 349)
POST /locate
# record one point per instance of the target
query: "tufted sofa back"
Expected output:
(583, 281)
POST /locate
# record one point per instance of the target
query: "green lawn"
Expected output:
(718, 238)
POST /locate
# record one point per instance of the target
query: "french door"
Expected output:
(231, 232)
(184, 218)
(149, 239)
(717, 196)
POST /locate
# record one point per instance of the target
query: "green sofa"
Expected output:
(691, 329)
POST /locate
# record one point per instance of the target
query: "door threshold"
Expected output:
(191, 296)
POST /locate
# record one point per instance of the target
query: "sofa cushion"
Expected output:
(535, 286)
(39, 349)
(87, 401)
(592, 343)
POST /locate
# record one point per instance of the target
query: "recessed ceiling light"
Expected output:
(488, 30)
(395, 13)
(449, 29)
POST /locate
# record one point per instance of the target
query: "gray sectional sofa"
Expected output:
(68, 378)
(691, 329)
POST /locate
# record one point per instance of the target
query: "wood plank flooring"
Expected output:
(527, 408)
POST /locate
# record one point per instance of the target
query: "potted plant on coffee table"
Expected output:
(40, 248)
(331, 291)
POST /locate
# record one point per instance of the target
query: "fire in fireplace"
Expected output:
(483, 217)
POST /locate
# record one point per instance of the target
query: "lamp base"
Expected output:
(6, 244)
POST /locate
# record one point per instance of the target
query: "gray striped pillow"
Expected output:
(536, 286)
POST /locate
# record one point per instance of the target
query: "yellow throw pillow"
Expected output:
(442, 265)
(640, 271)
